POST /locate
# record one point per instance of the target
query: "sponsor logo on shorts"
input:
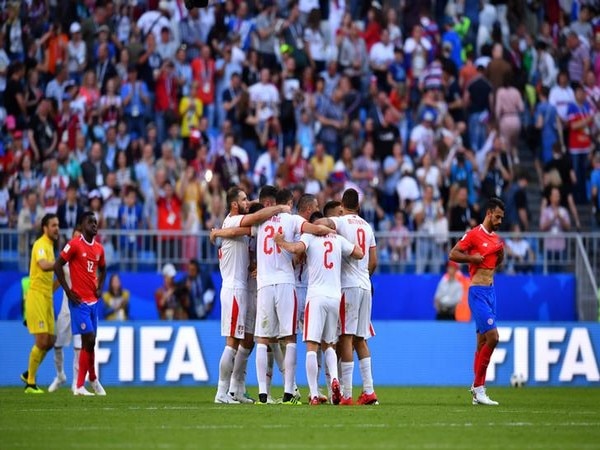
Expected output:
(490, 321)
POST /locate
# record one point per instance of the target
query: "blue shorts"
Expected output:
(84, 317)
(482, 301)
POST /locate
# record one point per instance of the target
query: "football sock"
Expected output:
(59, 361)
(290, 367)
(239, 370)
(319, 363)
(331, 363)
(91, 365)
(261, 368)
(269, 370)
(367, 375)
(225, 369)
(76, 352)
(475, 362)
(347, 369)
(312, 370)
(277, 356)
(485, 354)
(83, 368)
(36, 356)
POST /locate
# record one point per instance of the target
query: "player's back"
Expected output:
(324, 262)
(274, 264)
(355, 273)
(234, 257)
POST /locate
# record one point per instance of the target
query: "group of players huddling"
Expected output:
(284, 273)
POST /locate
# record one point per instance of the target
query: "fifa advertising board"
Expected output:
(188, 353)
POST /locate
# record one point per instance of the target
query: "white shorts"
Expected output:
(321, 319)
(276, 311)
(355, 312)
(251, 311)
(233, 312)
(63, 326)
(301, 296)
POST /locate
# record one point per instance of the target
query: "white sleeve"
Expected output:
(372, 243)
(306, 239)
(299, 221)
(233, 221)
(347, 247)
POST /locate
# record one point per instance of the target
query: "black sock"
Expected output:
(262, 398)
(287, 397)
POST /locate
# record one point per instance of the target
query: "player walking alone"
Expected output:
(85, 256)
(483, 250)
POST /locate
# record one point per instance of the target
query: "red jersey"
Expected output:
(487, 244)
(84, 259)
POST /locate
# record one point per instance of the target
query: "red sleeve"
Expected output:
(69, 251)
(466, 243)
(101, 261)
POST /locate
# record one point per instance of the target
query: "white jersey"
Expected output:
(355, 273)
(275, 264)
(324, 261)
(233, 257)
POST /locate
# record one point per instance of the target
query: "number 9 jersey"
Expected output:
(84, 258)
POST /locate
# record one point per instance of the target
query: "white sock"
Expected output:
(261, 368)
(269, 371)
(278, 356)
(59, 361)
(347, 369)
(75, 366)
(225, 369)
(239, 370)
(331, 363)
(312, 369)
(366, 374)
(319, 363)
(290, 367)
(328, 381)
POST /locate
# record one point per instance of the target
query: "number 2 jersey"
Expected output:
(355, 273)
(84, 258)
(274, 264)
(324, 261)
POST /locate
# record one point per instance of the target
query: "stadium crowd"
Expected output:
(146, 113)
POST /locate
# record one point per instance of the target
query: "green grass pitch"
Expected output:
(407, 418)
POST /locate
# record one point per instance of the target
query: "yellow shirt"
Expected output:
(323, 168)
(40, 281)
(190, 114)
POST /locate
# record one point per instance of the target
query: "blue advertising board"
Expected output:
(396, 297)
(425, 353)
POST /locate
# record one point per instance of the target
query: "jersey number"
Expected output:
(90, 266)
(361, 239)
(270, 234)
(328, 249)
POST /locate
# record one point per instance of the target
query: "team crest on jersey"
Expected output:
(42, 325)
(84, 255)
(490, 321)
(485, 244)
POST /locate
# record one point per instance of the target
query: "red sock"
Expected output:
(92, 365)
(485, 354)
(83, 368)
(476, 362)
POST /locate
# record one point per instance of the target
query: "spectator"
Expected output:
(136, 100)
(70, 211)
(400, 242)
(28, 220)
(53, 187)
(130, 218)
(265, 34)
(508, 109)
(168, 206)
(579, 58)
(171, 299)
(201, 291)
(463, 215)
(555, 220)
(517, 206)
(520, 257)
(111, 108)
(408, 186)
(94, 169)
(449, 293)
(166, 105)
(228, 166)
(365, 170)
(561, 95)
(267, 165)
(430, 220)
(547, 121)
(203, 69)
(43, 137)
(322, 163)
(116, 300)
(330, 113)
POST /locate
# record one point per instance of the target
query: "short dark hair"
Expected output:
(305, 201)
(283, 196)
(267, 191)
(316, 216)
(232, 195)
(493, 203)
(84, 216)
(47, 218)
(329, 206)
(194, 262)
(255, 207)
(350, 199)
